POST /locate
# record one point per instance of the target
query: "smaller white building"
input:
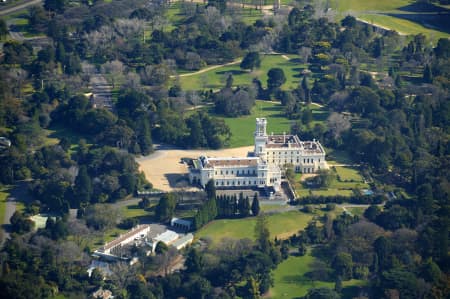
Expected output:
(167, 237)
(183, 241)
(181, 223)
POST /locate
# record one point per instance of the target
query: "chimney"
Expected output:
(284, 137)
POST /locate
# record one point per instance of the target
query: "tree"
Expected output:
(3, 29)
(161, 248)
(210, 189)
(427, 74)
(255, 205)
(275, 79)
(262, 233)
(55, 5)
(83, 186)
(244, 206)
(251, 61)
(166, 207)
(343, 265)
(194, 261)
(251, 289)
(322, 293)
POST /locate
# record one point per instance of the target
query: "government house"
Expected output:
(263, 167)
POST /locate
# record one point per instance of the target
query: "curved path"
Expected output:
(8, 10)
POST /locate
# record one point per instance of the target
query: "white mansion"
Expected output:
(263, 168)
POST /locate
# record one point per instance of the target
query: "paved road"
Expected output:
(10, 10)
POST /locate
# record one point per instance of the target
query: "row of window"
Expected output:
(239, 183)
(237, 172)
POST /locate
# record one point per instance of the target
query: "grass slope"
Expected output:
(405, 16)
(242, 128)
(281, 225)
(291, 279)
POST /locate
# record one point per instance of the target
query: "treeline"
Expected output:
(224, 206)
(339, 199)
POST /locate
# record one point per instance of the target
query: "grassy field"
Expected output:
(242, 128)
(348, 174)
(281, 225)
(405, 16)
(4, 193)
(291, 279)
(215, 78)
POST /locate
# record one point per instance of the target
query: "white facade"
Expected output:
(282, 150)
(271, 154)
(236, 172)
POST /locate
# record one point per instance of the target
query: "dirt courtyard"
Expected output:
(164, 169)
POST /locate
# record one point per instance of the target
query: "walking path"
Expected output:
(207, 69)
(8, 10)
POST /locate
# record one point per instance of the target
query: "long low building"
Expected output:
(113, 249)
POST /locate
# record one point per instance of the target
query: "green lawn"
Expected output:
(332, 192)
(215, 78)
(291, 279)
(4, 193)
(403, 26)
(348, 174)
(281, 225)
(242, 128)
(404, 16)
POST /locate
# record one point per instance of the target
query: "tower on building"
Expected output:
(260, 136)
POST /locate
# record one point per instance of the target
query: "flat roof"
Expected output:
(223, 162)
(166, 237)
(283, 141)
(125, 236)
(184, 239)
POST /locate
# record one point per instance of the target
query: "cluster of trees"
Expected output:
(237, 206)
(339, 199)
(224, 206)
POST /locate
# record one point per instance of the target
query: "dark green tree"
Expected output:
(251, 61)
(83, 186)
(427, 74)
(262, 233)
(3, 29)
(166, 207)
(210, 189)
(161, 248)
(255, 205)
(275, 79)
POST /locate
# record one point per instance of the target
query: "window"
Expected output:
(228, 183)
(215, 172)
(217, 183)
(237, 172)
(221, 172)
(304, 160)
(226, 172)
(254, 171)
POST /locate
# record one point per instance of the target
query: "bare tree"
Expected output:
(337, 124)
(122, 274)
(115, 70)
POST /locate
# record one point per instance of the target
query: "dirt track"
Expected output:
(165, 171)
